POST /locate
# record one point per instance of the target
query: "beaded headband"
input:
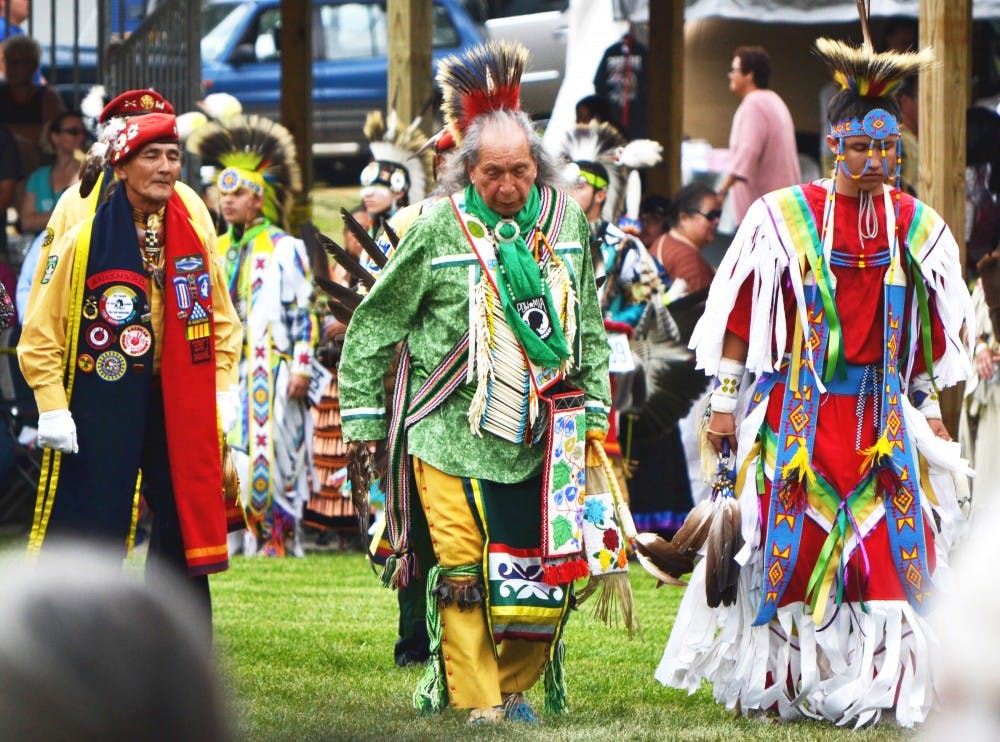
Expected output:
(232, 179)
(878, 124)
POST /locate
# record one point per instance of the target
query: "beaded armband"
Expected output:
(727, 385)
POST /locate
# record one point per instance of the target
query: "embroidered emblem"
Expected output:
(100, 337)
(189, 263)
(118, 305)
(136, 340)
(201, 350)
(90, 307)
(146, 102)
(183, 294)
(204, 286)
(50, 268)
(111, 365)
(50, 237)
(535, 315)
(85, 363)
(476, 229)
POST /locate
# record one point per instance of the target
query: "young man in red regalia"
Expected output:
(844, 299)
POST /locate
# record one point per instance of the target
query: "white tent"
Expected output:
(813, 11)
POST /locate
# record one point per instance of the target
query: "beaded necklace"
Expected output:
(151, 249)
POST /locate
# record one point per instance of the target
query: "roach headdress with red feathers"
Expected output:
(486, 78)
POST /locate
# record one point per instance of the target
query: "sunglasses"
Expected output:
(74, 131)
(711, 215)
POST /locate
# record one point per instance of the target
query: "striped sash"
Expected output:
(444, 379)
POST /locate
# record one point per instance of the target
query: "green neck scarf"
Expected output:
(526, 299)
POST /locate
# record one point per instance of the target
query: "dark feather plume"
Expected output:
(346, 260)
(343, 295)
(390, 234)
(90, 172)
(663, 555)
(361, 234)
(686, 311)
(691, 536)
(664, 388)
(725, 539)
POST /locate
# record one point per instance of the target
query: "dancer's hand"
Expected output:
(938, 428)
(298, 386)
(721, 427)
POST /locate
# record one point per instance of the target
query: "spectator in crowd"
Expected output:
(982, 184)
(980, 419)
(654, 213)
(762, 139)
(694, 221)
(26, 106)
(620, 80)
(909, 120)
(62, 138)
(11, 171)
(89, 653)
(12, 14)
(900, 33)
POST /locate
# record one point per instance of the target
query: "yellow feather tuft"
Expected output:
(873, 455)
(798, 467)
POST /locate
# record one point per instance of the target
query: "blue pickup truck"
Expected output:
(241, 56)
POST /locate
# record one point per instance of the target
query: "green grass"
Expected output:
(307, 647)
(326, 203)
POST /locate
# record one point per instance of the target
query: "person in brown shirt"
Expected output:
(694, 220)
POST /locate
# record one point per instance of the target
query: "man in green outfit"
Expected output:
(503, 378)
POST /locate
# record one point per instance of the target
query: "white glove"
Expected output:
(229, 408)
(57, 430)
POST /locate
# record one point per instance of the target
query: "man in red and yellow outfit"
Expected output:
(129, 333)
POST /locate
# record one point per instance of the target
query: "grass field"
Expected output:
(307, 647)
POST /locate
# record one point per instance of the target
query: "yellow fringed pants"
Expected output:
(476, 676)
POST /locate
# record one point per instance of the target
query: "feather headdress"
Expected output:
(260, 151)
(486, 78)
(600, 144)
(400, 159)
(870, 74)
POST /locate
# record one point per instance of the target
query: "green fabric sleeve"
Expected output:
(381, 321)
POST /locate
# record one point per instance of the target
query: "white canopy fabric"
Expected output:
(814, 11)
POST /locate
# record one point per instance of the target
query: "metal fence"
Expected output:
(162, 53)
